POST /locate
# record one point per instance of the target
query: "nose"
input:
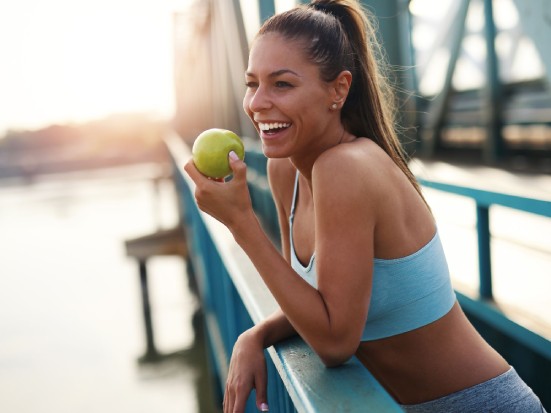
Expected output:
(258, 100)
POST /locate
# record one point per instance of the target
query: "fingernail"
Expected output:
(234, 157)
(264, 407)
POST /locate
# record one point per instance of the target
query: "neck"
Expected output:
(341, 140)
(305, 162)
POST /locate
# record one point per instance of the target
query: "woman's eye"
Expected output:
(251, 85)
(282, 84)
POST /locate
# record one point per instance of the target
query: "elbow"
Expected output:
(334, 360)
(336, 354)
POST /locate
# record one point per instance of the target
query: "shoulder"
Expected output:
(361, 167)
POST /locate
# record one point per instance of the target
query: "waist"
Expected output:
(501, 393)
(416, 366)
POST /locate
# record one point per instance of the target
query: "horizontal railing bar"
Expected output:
(219, 352)
(351, 383)
(491, 315)
(488, 198)
(484, 309)
(254, 293)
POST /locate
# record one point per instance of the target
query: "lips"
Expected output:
(272, 129)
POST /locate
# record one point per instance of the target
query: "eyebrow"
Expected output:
(276, 73)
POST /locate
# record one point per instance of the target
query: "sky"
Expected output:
(65, 61)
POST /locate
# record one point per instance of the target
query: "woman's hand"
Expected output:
(247, 371)
(228, 202)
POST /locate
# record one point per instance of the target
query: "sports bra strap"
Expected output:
(295, 192)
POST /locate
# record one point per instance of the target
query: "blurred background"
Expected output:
(86, 96)
(90, 89)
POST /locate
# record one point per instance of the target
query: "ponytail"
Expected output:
(339, 35)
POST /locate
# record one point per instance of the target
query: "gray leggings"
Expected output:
(506, 393)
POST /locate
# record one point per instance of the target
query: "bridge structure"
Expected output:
(466, 95)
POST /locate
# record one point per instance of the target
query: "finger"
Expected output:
(228, 401)
(239, 402)
(192, 171)
(261, 396)
(238, 167)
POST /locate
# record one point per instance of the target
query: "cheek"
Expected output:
(246, 105)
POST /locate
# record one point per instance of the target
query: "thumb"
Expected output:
(237, 166)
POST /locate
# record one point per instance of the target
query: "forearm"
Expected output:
(273, 329)
(305, 309)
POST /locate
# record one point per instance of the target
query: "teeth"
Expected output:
(277, 125)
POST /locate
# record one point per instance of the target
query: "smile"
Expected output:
(273, 127)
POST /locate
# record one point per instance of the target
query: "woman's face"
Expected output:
(286, 99)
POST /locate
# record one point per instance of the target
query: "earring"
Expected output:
(334, 106)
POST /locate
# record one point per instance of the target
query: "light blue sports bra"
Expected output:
(407, 293)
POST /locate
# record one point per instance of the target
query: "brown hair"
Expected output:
(339, 35)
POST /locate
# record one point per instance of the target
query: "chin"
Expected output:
(274, 152)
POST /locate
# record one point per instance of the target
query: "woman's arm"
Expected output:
(247, 369)
(331, 318)
(248, 366)
(273, 329)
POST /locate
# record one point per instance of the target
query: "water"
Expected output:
(70, 317)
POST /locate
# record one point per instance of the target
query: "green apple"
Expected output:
(210, 152)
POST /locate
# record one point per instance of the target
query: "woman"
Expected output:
(363, 271)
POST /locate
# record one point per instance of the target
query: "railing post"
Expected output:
(494, 145)
(484, 253)
(150, 350)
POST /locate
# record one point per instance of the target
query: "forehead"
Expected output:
(271, 52)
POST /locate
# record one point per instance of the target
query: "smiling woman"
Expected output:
(361, 270)
(66, 61)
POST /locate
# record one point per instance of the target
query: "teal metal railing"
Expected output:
(484, 200)
(234, 297)
(528, 351)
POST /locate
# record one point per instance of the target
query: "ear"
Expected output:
(340, 87)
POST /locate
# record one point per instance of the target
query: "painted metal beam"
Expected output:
(230, 55)
(394, 34)
(266, 9)
(535, 16)
(439, 106)
(493, 94)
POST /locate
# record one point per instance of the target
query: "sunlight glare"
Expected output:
(66, 61)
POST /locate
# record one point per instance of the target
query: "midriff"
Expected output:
(438, 359)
